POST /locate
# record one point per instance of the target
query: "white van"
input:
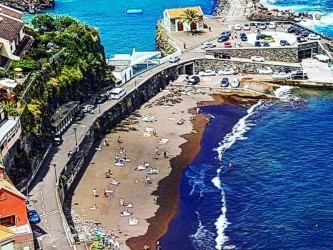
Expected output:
(117, 93)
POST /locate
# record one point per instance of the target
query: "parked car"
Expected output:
(79, 116)
(284, 70)
(302, 32)
(284, 43)
(101, 98)
(174, 59)
(222, 39)
(235, 83)
(227, 45)
(221, 55)
(250, 70)
(227, 71)
(257, 44)
(262, 26)
(226, 33)
(87, 108)
(193, 80)
(265, 70)
(299, 74)
(246, 26)
(33, 216)
(292, 29)
(301, 39)
(272, 25)
(117, 93)
(257, 59)
(207, 45)
(313, 36)
(265, 44)
(57, 141)
(224, 82)
(281, 76)
(238, 26)
(243, 36)
(261, 36)
(207, 72)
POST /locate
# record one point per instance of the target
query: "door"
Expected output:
(180, 26)
(193, 26)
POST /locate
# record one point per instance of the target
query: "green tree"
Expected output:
(63, 22)
(43, 22)
(190, 16)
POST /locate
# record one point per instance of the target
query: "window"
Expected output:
(8, 221)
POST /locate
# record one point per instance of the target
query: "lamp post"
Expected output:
(55, 173)
(75, 136)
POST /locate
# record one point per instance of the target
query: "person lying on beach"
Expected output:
(94, 207)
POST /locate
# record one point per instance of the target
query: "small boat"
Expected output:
(125, 213)
(134, 11)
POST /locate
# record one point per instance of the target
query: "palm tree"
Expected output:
(190, 16)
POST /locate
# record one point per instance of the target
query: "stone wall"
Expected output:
(217, 64)
(28, 6)
(286, 54)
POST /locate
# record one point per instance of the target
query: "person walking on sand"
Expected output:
(165, 154)
(157, 150)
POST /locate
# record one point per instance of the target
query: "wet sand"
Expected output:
(153, 204)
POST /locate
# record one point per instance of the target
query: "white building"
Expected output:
(13, 41)
(172, 19)
(126, 66)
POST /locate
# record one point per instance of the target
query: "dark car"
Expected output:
(57, 141)
(299, 74)
(304, 33)
(261, 36)
(301, 39)
(225, 82)
(226, 33)
(284, 43)
(257, 44)
(194, 80)
(293, 29)
(243, 36)
(284, 69)
(222, 39)
(265, 44)
(79, 116)
(33, 216)
(101, 98)
(221, 55)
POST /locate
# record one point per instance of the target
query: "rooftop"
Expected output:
(10, 11)
(10, 27)
(6, 185)
(62, 112)
(178, 12)
(6, 126)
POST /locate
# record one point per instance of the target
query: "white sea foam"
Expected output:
(283, 92)
(237, 133)
(202, 236)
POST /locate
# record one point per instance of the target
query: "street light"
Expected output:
(55, 173)
(75, 136)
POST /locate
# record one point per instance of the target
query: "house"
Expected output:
(126, 66)
(7, 238)
(13, 215)
(173, 23)
(13, 41)
(10, 131)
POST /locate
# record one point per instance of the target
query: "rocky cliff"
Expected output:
(31, 6)
(260, 13)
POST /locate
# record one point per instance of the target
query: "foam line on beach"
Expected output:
(237, 133)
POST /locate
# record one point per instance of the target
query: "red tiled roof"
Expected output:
(9, 28)
(10, 12)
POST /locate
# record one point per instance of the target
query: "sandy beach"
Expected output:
(155, 142)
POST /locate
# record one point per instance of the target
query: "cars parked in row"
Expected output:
(243, 36)
(257, 59)
(313, 36)
(221, 55)
(284, 43)
(207, 72)
(193, 80)
(226, 71)
(224, 82)
(261, 44)
(301, 39)
(262, 26)
(222, 39)
(237, 26)
(207, 45)
(174, 59)
(281, 76)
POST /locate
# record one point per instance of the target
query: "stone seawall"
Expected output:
(287, 54)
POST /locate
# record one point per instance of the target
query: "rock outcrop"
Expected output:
(261, 13)
(31, 6)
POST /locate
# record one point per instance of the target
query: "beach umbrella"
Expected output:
(18, 69)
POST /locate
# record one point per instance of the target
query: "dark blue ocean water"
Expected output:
(120, 32)
(323, 7)
(278, 192)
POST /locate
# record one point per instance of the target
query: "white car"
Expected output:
(174, 59)
(238, 26)
(262, 26)
(257, 59)
(281, 76)
(314, 37)
(87, 108)
(207, 72)
(235, 83)
(272, 25)
(227, 71)
(265, 70)
(207, 45)
(246, 26)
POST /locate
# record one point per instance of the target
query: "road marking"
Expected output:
(42, 199)
(49, 213)
(41, 192)
(48, 229)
